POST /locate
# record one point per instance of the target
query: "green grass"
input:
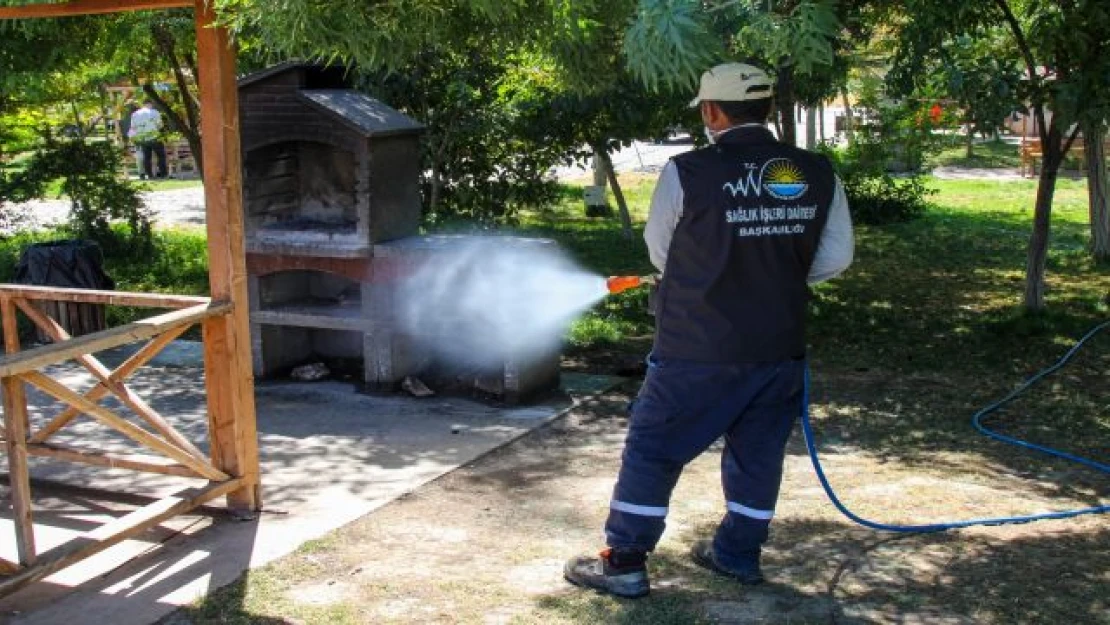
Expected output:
(992, 154)
(599, 245)
(171, 184)
(986, 154)
(178, 263)
(959, 274)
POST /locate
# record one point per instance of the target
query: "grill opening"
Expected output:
(300, 186)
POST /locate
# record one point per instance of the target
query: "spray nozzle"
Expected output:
(617, 284)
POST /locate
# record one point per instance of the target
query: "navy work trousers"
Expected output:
(682, 408)
(149, 150)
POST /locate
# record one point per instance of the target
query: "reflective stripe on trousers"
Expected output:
(680, 411)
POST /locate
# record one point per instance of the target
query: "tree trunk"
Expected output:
(601, 171)
(190, 126)
(784, 97)
(78, 125)
(439, 155)
(437, 167)
(626, 218)
(1098, 190)
(436, 186)
(105, 113)
(970, 140)
(849, 118)
(821, 118)
(1038, 241)
(811, 128)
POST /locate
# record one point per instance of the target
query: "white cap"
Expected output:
(734, 82)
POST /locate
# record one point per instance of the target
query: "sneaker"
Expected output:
(623, 579)
(703, 556)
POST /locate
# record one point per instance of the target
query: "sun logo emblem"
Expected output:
(783, 179)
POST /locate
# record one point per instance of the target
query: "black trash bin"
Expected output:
(70, 264)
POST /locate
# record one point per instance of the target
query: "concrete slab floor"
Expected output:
(329, 456)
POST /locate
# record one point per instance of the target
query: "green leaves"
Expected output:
(378, 34)
(800, 34)
(669, 44)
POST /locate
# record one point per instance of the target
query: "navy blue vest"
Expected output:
(734, 288)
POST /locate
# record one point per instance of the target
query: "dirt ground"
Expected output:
(486, 543)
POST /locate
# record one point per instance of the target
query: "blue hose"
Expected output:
(976, 421)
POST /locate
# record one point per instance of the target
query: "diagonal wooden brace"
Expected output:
(59, 391)
(114, 532)
(113, 384)
(129, 366)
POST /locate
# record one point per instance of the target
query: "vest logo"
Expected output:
(783, 180)
(779, 177)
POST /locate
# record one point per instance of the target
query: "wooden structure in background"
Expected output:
(231, 466)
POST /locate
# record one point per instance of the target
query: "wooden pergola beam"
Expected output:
(229, 373)
(104, 376)
(88, 7)
(16, 425)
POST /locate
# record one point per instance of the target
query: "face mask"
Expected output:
(710, 135)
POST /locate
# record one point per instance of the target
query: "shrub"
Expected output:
(876, 197)
(882, 199)
(89, 174)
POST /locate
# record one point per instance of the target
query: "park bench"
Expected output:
(180, 161)
(1031, 151)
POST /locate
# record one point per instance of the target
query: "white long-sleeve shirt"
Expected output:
(145, 124)
(835, 249)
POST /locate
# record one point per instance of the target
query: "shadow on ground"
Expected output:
(827, 573)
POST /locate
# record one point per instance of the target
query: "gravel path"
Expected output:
(978, 173)
(175, 207)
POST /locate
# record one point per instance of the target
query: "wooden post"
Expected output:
(227, 348)
(15, 428)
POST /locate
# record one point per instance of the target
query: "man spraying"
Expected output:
(739, 229)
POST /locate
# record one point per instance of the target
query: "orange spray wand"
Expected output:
(617, 284)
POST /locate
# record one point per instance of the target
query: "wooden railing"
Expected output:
(173, 454)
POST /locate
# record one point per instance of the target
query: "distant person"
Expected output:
(146, 131)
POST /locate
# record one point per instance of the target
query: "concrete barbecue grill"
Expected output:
(332, 213)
